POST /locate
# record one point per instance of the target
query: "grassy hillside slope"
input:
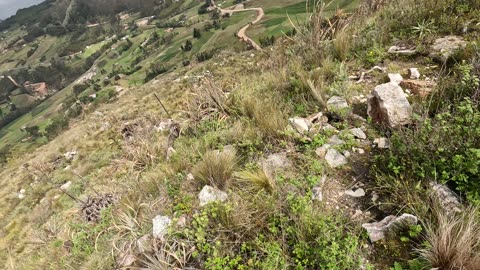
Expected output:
(121, 185)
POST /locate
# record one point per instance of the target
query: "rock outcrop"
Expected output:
(395, 78)
(388, 105)
(446, 198)
(337, 103)
(444, 48)
(160, 226)
(419, 88)
(379, 230)
(210, 194)
(335, 159)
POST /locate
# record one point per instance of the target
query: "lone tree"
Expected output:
(188, 46)
(196, 33)
(33, 131)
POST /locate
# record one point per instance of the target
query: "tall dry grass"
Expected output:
(216, 168)
(453, 241)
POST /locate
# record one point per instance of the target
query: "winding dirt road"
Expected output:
(242, 32)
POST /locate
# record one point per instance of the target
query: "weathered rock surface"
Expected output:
(337, 103)
(400, 50)
(317, 194)
(66, 186)
(444, 48)
(275, 162)
(322, 150)
(302, 125)
(359, 192)
(395, 78)
(358, 133)
(210, 194)
(335, 159)
(419, 88)
(160, 226)
(413, 73)
(335, 140)
(387, 104)
(446, 198)
(382, 143)
(379, 230)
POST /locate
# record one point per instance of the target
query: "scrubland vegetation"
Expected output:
(225, 162)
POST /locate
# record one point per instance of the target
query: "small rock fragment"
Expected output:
(382, 143)
(448, 199)
(302, 125)
(401, 51)
(322, 151)
(69, 156)
(413, 73)
(358, 133)
(190, 177)
(387, 104)
(337, 103)
(160, 226)
(317, 194)
(358, 213)
(66, 186)
(335, 159)
(395, 78)
(378, 230)
(359, 192)
(210, 194)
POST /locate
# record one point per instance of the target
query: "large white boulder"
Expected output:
(388, 105)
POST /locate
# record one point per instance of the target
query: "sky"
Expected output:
(10, 7)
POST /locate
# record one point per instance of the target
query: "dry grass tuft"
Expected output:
(167, 255)
(255, 181)
(315, 37)
(207, 100)
(266, 114)
(341, 44)
(216, 168)
(454, 241)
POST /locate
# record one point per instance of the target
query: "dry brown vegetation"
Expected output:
(453, 240)
(216, 168)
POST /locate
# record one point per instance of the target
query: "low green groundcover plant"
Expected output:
(445, 148)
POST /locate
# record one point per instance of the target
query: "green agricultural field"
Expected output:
(274, 23)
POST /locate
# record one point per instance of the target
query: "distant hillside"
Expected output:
(54, 12)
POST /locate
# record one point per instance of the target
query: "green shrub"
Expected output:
(254, 235)
(445, 149)
(55, 126)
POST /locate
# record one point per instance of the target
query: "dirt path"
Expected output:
(242, 32)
